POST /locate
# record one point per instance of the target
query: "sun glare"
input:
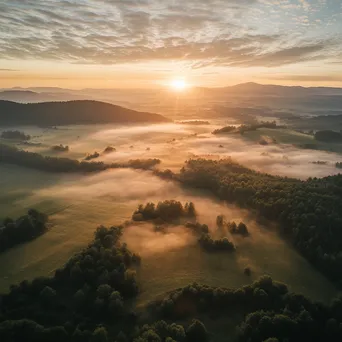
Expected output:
(178, 84)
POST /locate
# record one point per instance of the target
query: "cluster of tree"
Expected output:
(12, 155)
(109, 149)
(90, 289)
(91, 156)
(194, 122)
(339, 165)
(267, 140)
(166, 174)
(143, 164)
(320, 162)
(163, 332)
(211, 245)
(15, 135)
(25, 228)
(226, 129)
(328, 136)
(48, 114)
(270, 311)
(240, 229)
(166, 211)
(197, 228)
(247, 127)
(60, 148)
(308, 212)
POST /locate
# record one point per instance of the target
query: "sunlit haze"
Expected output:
(179, 84)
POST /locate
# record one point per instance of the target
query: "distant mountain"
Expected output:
(39, 94)
(18, 95)
(253, 89)
(72, 112)
(30, 96)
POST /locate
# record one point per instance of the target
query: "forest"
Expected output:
(309, 213)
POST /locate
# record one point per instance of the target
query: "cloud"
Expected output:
(200, 32)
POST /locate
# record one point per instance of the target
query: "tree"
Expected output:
(197, 332)
(104, 291)
(220, 221)
(100, 334)
(48, 295)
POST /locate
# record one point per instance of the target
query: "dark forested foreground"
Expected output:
(23, 229)
(71, 113)
(90, 299)
(308, 212)
(12, 155)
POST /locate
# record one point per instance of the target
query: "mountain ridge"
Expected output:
(72, 112)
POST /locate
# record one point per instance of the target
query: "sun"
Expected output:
(178, 84)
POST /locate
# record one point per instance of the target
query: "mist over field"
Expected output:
(174, 143)
(80, 203)
(46, 169)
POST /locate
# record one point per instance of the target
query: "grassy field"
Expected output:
(170, 260)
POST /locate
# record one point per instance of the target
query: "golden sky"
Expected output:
(145, 43)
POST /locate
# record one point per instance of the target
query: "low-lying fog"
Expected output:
(80, 203)
(175, 143)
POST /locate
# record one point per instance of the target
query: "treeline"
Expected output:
(308, 212)
(23, 229)
(162, 331)
(80, 301)
(232, 227)
(166, 211)
(247, 127)
(267, 309)
(12, 155)
(194, 122)
(218, 245)
(91, 156)
(60, 148)
(15, 135)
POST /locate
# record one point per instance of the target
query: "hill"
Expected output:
(72, 112)
(30, 96)
(256, 89)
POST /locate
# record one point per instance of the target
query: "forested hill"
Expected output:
(71, 112)
(308, 212)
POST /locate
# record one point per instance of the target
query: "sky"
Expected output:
(147, 43)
